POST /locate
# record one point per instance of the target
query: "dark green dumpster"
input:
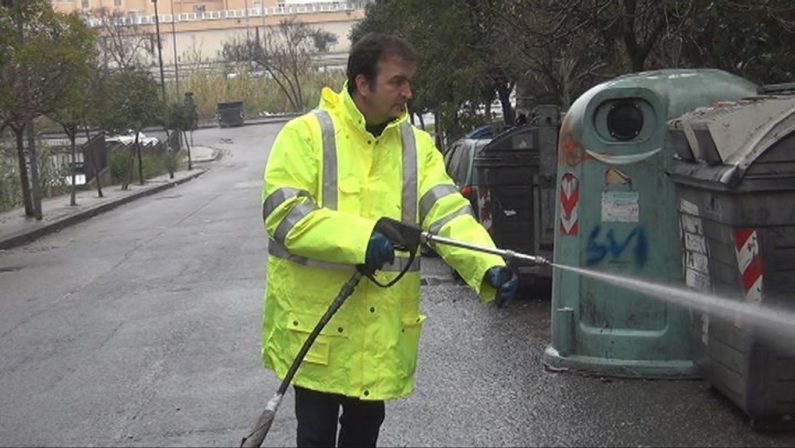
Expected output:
(735, 183)
(230, 114)
(515, 175)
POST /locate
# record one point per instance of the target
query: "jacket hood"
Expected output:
(341, 104)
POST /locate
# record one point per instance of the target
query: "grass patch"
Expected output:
(259, 94)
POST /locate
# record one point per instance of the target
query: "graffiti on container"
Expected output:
(606, 246)
(570, 151)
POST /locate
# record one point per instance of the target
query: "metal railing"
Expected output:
(307, 8)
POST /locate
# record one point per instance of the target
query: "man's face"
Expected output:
(386, 98)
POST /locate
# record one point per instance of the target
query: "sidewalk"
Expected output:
(17, 229)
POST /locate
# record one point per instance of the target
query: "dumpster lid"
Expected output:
(520, 138)
(728, 137)
(230, 104)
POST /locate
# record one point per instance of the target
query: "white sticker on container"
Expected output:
(620, 206)
(695, 250)
(688, 207)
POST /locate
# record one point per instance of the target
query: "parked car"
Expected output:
(129, 138)
(458, 160)
(458, 163)
(487, 131)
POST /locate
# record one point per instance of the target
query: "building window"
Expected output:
(117, 3)
(86, 4)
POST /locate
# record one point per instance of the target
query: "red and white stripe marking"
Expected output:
(749, 263)
(484, 209)
(569, 199)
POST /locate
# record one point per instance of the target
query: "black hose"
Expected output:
(257, 436)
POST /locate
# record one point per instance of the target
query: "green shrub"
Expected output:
(154, 164)
(117, 164)
(52, 180)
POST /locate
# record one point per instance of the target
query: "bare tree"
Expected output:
(192, 57)
(122, 44)
(284, 52)
(556, 45)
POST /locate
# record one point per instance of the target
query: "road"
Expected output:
(140, 327)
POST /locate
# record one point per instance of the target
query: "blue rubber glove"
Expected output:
(379, 252)
(506, 283)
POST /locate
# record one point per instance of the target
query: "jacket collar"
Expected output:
(342, 105)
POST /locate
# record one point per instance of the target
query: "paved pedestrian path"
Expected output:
(17, 229)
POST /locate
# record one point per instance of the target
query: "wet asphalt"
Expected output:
(140, 327)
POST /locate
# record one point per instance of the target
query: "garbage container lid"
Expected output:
(725, 139)
(514, 139)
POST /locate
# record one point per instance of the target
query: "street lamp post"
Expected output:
(160, 51)
(174, 39)
(163, 87)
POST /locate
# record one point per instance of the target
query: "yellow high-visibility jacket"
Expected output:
(327, 182)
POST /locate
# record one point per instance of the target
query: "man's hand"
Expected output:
(380, 251)
(506, 283)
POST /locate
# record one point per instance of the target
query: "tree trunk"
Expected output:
(170, 155)
(187, 146)
(34, 172)
(23, 172)
(422, 121)
(93, 161)
(130, 164)
(140, 159)
(437, 130)
(72, 137)
(504, 93)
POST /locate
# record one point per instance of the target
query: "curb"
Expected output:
(251, 121)
(206, 124)
(27, 236)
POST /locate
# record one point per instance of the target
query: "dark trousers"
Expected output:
(317, 414)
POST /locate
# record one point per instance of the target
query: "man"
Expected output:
(331, 175)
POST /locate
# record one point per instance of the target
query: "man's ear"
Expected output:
(362, 85)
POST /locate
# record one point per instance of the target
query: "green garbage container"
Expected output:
(616, 212)
(735, 182)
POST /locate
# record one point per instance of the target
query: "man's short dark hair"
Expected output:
(370, 49)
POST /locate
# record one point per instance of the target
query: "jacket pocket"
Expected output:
(349, 194)
(409, 344)
(300, 325)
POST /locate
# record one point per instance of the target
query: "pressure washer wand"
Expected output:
(428, 237)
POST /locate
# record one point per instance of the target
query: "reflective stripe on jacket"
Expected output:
(327, 181)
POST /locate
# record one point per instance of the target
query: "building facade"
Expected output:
(197, 29)
(147, 7)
